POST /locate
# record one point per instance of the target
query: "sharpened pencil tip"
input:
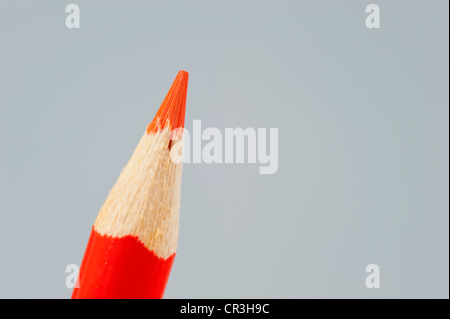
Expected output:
(172, 110)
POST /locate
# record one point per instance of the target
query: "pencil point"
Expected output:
(172, 110)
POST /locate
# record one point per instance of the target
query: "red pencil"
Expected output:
(134, 239)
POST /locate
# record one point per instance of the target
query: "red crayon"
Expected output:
(134, 239)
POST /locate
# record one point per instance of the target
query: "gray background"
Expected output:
(363, 141)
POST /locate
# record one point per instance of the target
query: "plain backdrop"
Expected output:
(363, 124)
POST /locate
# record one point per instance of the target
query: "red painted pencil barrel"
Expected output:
(121, 268)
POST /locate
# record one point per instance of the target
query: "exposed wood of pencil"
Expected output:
(134, 239)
